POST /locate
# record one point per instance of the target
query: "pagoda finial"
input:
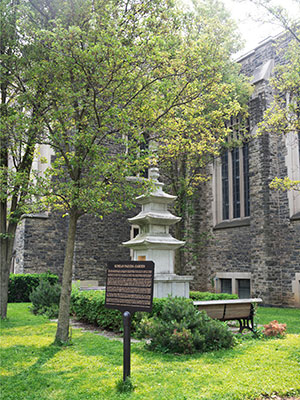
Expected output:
(154, 173)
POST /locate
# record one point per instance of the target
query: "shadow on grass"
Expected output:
(30, 378)
(111, 351)
(210, 357)
(58, 380)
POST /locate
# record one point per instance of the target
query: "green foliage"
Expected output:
(89, 306)
(45, 298)
(206, 296)
(21, 285)
(125, 386)
(21, 129)
(283, 115)
(180, 328)
(284, 184)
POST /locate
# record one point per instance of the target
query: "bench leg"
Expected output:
(246, 323)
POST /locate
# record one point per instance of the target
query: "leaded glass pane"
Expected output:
(236, 183)
(226, 286)
(246, 179)
(225, 187)
(244, 288)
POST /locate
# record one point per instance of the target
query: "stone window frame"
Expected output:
(296, 288)
(234, 276)
(243, 219)
(292, 162)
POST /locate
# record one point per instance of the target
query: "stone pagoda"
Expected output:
(154, 242)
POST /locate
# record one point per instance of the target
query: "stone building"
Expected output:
(253, 246)
(246, 236)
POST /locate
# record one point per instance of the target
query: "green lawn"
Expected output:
(33, 369)
(288, 316)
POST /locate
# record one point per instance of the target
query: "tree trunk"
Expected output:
(179, 254)
(62, 332)
(7, 235)
(180, 208)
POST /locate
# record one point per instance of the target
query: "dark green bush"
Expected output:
(174, 325)
(20, 286)
(181, 328)
(88, 306)
(45, 298)
(206, 296)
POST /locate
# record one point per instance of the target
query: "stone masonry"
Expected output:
(266, 246)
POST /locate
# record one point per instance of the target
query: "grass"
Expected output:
(288, 316)
(34, 369)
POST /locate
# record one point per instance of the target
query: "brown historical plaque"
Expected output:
(129, 285)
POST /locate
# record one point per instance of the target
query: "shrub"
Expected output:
(45, 298)
(181, 328)
(206, 296)
(174, 325)
(89, 306)
(274, 329)
(20, 286)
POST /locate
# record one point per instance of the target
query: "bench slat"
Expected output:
(234, 311)
(213, 311)
(226, 310)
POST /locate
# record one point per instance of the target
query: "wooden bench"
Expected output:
(227, 310)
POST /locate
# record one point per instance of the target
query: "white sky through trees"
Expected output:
(251, 20)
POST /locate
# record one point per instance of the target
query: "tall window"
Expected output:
(232, 178)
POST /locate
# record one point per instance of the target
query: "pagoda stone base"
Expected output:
(171, 284)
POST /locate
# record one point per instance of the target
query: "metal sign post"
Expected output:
(126, 344)
(129, 288)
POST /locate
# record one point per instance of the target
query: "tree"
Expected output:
(19, 132)
(109, 74)
(114, 72)
(197, 132)
(283, 116)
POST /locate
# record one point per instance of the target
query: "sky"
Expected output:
(254, 32)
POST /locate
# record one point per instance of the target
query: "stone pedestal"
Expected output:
(154, 242)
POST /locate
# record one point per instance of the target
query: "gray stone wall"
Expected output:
(40, 244)
(268, 245)
(99, 241)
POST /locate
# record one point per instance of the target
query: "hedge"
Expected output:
(206, 296)
(20, 286)
(88, 306)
